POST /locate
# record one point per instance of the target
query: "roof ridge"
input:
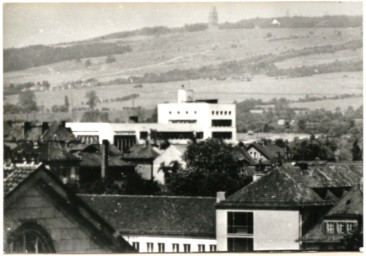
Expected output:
(147, 196)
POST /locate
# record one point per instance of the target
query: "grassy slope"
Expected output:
(191, 50)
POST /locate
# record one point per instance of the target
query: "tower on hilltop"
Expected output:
(213, 19)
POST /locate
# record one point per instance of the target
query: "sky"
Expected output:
(27, 24)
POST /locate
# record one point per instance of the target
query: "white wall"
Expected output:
(255, 154)
(169, 155)
(168, 241)
(273, 229)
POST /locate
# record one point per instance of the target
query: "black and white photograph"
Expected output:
(182, 127)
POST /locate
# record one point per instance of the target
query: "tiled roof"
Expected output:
(156, 215)
(329, 175)
(350, 206)
(95, 160)
(34, 133)
(92, 148)
(49, 151)
(20, 173)
(142, 151)
(240, 154)
(269, 150)
(274, 190)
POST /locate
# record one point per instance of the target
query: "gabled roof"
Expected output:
(58, 132)
(240, 154)
(180, 147)
(73, 207)
(274, 190)
(269, 150)
(34, 133)
(95, 160)
(350, 206)
(157, 215)
(142, 151)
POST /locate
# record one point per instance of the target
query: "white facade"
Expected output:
(272, 229)
(256, 155)
(204, 120)
(151, 243)
(172, 153)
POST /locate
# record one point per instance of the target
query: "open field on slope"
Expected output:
(261, 87)
(316, 59)
(187, 50)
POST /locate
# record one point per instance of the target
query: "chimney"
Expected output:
(27, 127)
(62, 124)
(220, 196)
(44, 127)
(105, 144)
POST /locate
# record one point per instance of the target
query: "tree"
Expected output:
(210, 168)
(356, 152)
(95, 116)
(87, 63)
(67, 104)
(92, 99)
(110, 59)
(27, 101)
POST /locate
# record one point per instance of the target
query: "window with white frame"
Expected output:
(187, 247)
(201, 247)
(161, 247)
(212, 248)
(340, 227)
(175, 247)
(136, 245)
(330, 228)
(150, 247)
(350, 226)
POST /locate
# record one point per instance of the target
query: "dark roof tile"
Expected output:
(157, 215)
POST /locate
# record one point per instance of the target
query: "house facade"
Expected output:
(42, 216)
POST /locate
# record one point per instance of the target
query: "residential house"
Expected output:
(168, 159)
(54, 155)
(267, 153)
(42, 216)
(143, 157)
(160, 223)
(343, 220)
(266, 214)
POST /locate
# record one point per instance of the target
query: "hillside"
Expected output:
(261, 61)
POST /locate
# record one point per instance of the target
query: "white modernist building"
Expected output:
(177, 122)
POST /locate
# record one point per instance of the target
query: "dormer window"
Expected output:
(340, 226)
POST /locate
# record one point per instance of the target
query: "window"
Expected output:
(240, 222)
(220, 112)
(229, 112)
(201, 247)
(150, 247)
(187, 247)
(29, 238)
(178, 112)
(330, 228)
(195, 112)
(221, 123)
(225, 113)
(213, 112)
(187, 112)
(350, 226)
(217, 112)
(143, 135)
(175, 247)
(222, 135)
(136, 245)
(170, 112)
(199, 135)
(212, 248)
(340, 227)
(240, 244)
(161, 247)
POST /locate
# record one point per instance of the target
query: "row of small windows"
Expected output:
(340, 227)
(175, 247)
(178, 112)
(221, 113)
